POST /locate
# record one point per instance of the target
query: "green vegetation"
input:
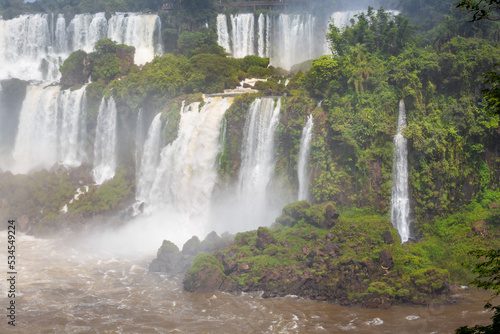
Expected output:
(106, 197)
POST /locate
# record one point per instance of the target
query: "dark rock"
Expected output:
(331, 216)
(386, 259)
(192, 246)
(170, 260)
(205, 275)
(212, 242)
(265, 238)
(78, 72)
(387, 237)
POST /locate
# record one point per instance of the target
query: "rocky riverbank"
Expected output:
(312, 253)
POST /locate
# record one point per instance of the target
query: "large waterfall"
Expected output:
(105, 142)
(32, 47)
(302, 170)
(187, 171)
(257, 153)
(400, 211)
(287, 39)
(51, 129)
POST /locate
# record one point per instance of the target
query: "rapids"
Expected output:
(66, 285)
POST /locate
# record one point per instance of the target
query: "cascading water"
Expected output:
(105, 142)
(150, 159)
(302, 171)
(187, 172)
(34, 46)
(242, 36)
(223, 32)
(257, 156)
(294, 37)
(140, 31)
(400, 211)
(51, 129)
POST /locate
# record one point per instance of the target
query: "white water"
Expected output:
(187, 171)
(242, 35)
(257, 155)
(51, 129)
(150, 159)
(287, 39)
(223, 32)
(400, 210)
(33, 46)
(105, 142)
(302, 170)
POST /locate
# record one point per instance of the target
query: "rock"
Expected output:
(331, 216)
(481, 228)
(493, 206)
(385, 259)
(192, 246)
(76, 69)
(210, 243)
(293, 212)
(387, 237)
(204, 276)
(265, 238)
(170, 260)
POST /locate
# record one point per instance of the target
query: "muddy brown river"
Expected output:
(63, 288)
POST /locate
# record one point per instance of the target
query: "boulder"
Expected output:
(265, 238)
(387, 237)
(192, 246)
(385, 259)
(76, 69)
(205, 275)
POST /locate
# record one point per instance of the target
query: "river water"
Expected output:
(67, 287)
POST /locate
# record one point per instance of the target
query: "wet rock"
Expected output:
(387, 237)
(170, 260)
(265, 238)
(385, 259)
(204, 276)
(192, 246)
(210, 243)
(78, 72)
(331, 216)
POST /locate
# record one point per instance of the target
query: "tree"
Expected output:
(482, 9)
(488, 278)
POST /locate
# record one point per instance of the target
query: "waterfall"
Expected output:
(187, 172)
(72, 131)
(242, 35)
(150, 159)
(223, 33)
(400, 210)
(257, 156)
(51, 129)
(105, 142)
(295, 40)
(140, 31)
(34, 46)
(302, 171)
(262, 46)
(294, 37)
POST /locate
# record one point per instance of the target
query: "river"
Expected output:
(67, 287)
